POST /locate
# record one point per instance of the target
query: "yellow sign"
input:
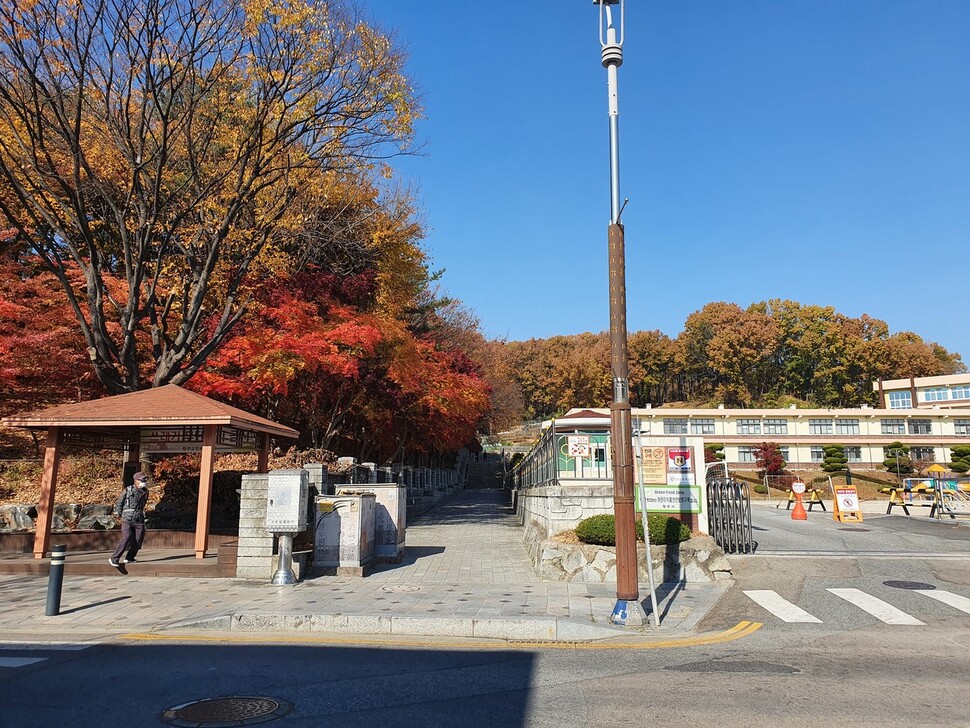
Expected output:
(324, 507)
(846, 507)
(654, 461)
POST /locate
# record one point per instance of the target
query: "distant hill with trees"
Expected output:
(771, 354)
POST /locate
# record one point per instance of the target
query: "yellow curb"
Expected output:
(741, 629)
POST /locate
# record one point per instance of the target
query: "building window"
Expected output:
(847, 427)
(921, 452)
(961, 392)
(853, 454)
(746, 454)
(702, 427)
(820, 427)
(935, 394)
(900, 400)
(776, 427)
(783, 451)
(675, 427)
(962, 427)
(920, 427)
(818, 454)
(894, 427)
(749, 427)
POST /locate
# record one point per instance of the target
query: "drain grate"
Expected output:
(231, 711)
(908, 585)
(399, 588)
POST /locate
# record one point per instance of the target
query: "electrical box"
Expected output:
(286, 502)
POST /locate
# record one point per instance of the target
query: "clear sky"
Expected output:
(814, 150)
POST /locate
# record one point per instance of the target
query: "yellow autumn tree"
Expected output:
(181, 147)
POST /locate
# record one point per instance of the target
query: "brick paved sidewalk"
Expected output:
(466, 573)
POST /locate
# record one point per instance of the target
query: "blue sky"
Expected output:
(814, 150)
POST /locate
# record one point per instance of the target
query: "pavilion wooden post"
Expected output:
(48, 486)
(262, 459)
(206, 469)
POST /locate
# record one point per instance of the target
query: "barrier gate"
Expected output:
(729, 515)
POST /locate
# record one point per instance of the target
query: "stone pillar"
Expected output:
(319, 478)
(255, 554)
(371, 469)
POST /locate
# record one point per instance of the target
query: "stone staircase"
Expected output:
(484, 475)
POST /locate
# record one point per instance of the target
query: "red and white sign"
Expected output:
(680, 459)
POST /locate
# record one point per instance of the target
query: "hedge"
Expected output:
(601, 530)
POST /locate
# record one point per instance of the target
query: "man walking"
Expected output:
(130, 507)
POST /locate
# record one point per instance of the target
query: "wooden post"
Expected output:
(48, 486)
(262, 461)
(206, 468)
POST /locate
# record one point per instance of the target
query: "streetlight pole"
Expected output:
(628, 611)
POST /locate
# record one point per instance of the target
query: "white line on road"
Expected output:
(19, 661)
(781, 608)
(876, 607)
(954, 600)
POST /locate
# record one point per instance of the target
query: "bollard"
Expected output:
(55, 581)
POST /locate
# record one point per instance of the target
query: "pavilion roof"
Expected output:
(170, 405)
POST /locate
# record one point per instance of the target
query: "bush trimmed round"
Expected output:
(601, 530)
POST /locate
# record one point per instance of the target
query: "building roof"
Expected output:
(170, 405)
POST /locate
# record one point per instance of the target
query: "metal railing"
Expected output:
(541, 465)
(729, 515)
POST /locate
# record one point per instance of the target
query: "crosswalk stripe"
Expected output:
(954, 600)
(19, 661)
(780, 607)
(876, 607)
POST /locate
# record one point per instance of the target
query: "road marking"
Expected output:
(19, 661)
(954, 600)
(780, 607)
(876, 607)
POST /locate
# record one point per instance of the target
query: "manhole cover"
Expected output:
(233, 711)
(858, 530)
(763, 668)
(401, 588)
(908, 585)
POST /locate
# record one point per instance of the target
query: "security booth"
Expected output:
(166, 420)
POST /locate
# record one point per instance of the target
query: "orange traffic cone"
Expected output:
(798, 512)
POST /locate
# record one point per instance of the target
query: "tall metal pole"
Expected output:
(628, 611)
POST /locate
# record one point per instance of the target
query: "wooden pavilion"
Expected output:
(165, 419)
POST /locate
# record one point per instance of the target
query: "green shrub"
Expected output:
(760, 488)
(601, 529)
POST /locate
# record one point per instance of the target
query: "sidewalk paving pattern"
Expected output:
(465, 573)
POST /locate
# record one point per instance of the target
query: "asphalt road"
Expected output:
(845, 667)
(848, 670)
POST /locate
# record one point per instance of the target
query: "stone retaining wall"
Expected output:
(699, 559)
(558, 508)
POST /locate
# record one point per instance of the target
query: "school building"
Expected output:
(928, 414)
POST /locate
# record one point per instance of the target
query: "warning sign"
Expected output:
(846, 505)
(654, 461)
(578, 446)
(679, 459)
